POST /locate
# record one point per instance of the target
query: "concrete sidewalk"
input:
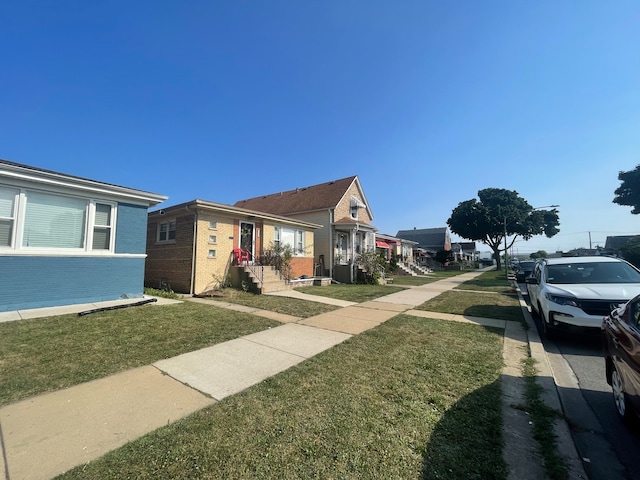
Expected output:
(46, 435)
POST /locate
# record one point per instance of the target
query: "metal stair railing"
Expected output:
(256, 270)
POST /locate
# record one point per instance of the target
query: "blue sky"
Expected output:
(426, 101)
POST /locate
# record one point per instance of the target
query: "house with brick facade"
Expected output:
(194, 247)
(68, 240)
(342, 210)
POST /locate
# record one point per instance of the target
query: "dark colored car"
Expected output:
(524, 270)
(621, 340)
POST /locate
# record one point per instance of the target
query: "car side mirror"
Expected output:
(531, 280)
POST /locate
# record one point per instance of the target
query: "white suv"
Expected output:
(579, 291)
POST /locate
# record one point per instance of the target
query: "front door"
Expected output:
(341, 249)
(246, 238)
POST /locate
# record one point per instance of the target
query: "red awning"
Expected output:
(382, 244)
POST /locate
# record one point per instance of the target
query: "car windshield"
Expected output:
(596, 272)
(527, 265)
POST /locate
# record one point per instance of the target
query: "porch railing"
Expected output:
(257, 272)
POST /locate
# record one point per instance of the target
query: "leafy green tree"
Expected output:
(630, 251)
(539, 254)
(497, 212)
(628, 193)
(443, 256)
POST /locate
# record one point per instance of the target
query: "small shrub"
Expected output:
(279, 256)
(154, 292)
(372, 264)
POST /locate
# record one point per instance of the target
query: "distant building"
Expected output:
(613, 244)
(430, 239)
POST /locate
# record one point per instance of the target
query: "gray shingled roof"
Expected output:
(427, 238)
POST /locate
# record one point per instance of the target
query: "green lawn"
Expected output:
(412, 398)
(51, 353)
(491, 281)
(487, 305)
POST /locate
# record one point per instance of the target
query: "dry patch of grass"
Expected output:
(285, 305)
(352, 292)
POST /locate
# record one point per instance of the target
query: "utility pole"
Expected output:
(506, 261)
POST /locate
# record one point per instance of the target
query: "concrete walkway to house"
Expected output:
(46, 435)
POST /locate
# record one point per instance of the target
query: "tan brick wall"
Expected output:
(172, 261)
(211, 270)
(344, 208)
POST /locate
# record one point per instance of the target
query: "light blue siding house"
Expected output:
(66, 240)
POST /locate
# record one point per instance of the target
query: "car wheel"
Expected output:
(548, 331)
(623, 407)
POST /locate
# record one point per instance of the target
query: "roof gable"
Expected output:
(316, 197)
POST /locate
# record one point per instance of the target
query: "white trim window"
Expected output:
(276, 237)
(291, 237)
(102, 226)
(33, 220)
(354, 205)
(8, 202)
(167, 232)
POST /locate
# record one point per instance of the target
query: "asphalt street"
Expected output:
(609, 449)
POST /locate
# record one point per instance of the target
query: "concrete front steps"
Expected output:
(259, 279)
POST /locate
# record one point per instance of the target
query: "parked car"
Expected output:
(579, 291)
(621, 340)
(525, 268)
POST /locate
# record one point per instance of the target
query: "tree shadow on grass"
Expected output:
(500, 312)
(467, 442)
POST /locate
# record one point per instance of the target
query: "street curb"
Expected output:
(566, 446)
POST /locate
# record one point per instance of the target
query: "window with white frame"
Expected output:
(167, 231)
(213, 239)
(102, 226)
(213, 225)
(299, 242)
(212, 254)
(54, 221)
(8, 198)
(276, 237)
(354, 205)
(291, 237)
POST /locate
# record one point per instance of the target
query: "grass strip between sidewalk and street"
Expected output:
(411, 398)
(491, 281)
(486, 305)
(543, 418)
